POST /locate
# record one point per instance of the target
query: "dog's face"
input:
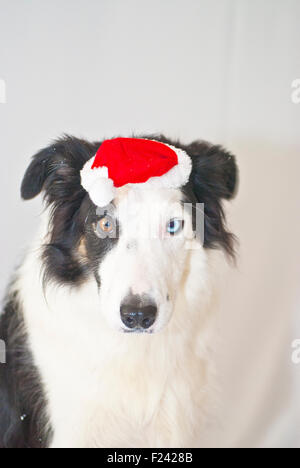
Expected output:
(136, 249)
(140, 273)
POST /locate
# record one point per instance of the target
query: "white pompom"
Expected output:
(102, 192)
(96, 182)
(89, 175)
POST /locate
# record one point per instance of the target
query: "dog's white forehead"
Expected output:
(148, 206)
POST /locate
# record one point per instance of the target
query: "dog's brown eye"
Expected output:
(106, 224)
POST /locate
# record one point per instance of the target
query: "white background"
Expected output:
(220, 70)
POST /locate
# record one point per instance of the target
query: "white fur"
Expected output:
(109, 389)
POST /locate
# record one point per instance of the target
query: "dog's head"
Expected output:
(138, 248)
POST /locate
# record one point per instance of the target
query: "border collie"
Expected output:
(73, 378)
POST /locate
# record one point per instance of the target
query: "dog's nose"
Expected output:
(138, 312)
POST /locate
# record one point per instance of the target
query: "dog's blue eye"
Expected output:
(174, 226)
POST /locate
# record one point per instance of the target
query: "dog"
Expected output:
(108, 338)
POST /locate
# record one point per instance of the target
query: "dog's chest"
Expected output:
(135, 391)
(140, 399)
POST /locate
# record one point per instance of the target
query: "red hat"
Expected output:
(135, 162)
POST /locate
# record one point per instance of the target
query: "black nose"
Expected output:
(138, 312)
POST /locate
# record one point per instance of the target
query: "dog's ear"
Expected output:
(56, 171)
(214, 178)
(58, 163)
(214, 173)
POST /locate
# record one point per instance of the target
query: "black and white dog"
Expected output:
(72, 377)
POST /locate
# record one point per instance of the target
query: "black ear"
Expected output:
(214, 171)
(64, 157)
(214, 178)
(56, 171)
(35, 175)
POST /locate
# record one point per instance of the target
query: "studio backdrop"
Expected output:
(220, 70)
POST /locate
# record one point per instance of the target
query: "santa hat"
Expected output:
(134, 162)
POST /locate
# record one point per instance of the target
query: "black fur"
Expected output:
(56, 171)
(22, 404)
(214, 178)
